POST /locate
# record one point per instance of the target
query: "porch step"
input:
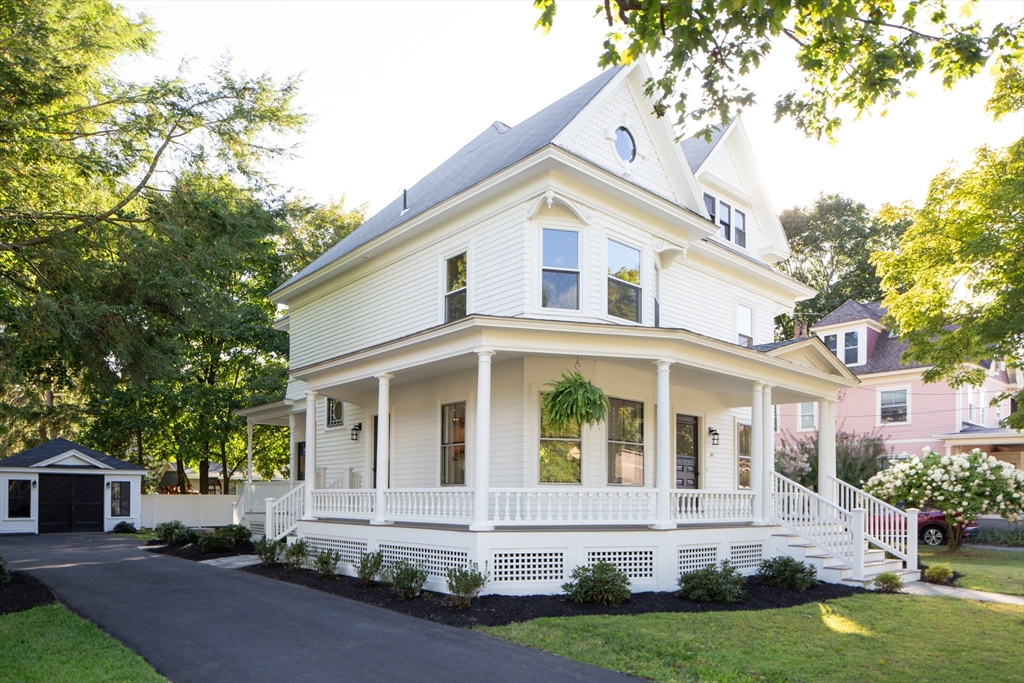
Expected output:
(908, 575)
(832, 569)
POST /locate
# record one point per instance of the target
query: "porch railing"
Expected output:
(554, 506)
(284, 513)
(885, 526)
(344, 503)
(836, 531)
(429, 505)
(710, 506)
(255, 494)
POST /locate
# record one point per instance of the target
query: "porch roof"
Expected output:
(802, 371)
(275, 413)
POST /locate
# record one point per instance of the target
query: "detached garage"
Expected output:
(62, 487)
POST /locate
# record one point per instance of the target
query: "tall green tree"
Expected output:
(857, 55)
(315, 228)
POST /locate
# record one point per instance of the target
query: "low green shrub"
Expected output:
(237, 533)
(787, 572)
(1012, 537)
(5, 572)
(712, 584)
(184, 536)
(165, 530)
(369, 567)
(125, 528)
(888, 582)
(938, 573)
(269, 552)
(326, 563)
(296, 555)
(601, 583)
(406, 579)
(465, 583)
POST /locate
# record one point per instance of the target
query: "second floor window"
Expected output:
(455, 288)
(709, 203)
(453, 443)
(725, 221)
(892, 406)
(806, 415)
(740, 229)
(625, 442)
(744, 326)
(850, 348)
(560, 277)
(743, 456)
(623, 281)
(335, 413)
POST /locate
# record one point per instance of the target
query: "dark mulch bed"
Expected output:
(24, 592)
(193, 552)
(498, 610)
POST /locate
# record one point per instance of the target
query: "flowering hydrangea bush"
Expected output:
(961, 486)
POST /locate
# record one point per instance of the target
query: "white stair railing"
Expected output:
(819, 521)
(885, 526)
(284, 513)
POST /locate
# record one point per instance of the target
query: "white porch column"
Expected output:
(767, 436)
(826, 448)
(310, 451)
(482, 449)
(663, 454)
(383, 446)
(248, 452)
(757, 451)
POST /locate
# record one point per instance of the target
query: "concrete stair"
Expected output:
(832, 569)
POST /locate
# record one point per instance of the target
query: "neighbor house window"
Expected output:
(745, 325)
(892, 405)
(850, 348)
(830, 342)
(120, 499)
(625, 442)
(725, 221)
(623, 281)
(740, 228)
(335, 412)
(453, 443)
(560, 451)
(743, 455)
(560, 286)
(806, 416)
(19, 498)
(455, 288)
(709, 203)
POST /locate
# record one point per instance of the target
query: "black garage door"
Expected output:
(70, 502)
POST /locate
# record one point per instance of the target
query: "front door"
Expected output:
(300, 461)
(70, 502)
(687, 476)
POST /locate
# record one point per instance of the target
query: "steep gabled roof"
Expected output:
(697, 149)
(55, 447)
(851, 311)
(495, 149)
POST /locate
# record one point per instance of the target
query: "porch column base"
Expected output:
(663, 526)
(481, 527)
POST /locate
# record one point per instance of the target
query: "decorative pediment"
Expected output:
(72, 459)
(813, 354)
(550, 197)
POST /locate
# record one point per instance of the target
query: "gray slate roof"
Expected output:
(493, 150)
(851, 311)
(885, 357)
(697, 149)
(31, 456)
(765, 348)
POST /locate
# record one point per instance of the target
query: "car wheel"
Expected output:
(933, 535)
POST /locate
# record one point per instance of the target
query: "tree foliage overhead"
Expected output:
(855, 54)
(315, 228)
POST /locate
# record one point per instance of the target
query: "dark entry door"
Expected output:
(70, 502)
(687, 476)
(376, 421)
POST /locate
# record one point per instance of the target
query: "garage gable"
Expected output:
(72, 459)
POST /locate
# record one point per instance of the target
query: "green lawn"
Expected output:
(999, 571)
(141, 536)
(876, 638)
(52, 644)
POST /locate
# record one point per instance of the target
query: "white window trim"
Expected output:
(798, 420)
(878, 405)
(633, 243)
(327, 414)
(862, 345)
(739, 301)
(439, 403)
(734, 206)
(649, 450)
(443, 287)
(632, 124)
(736, 451)
(33, 504)
(581, 245)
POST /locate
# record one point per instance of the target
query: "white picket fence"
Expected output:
(193, 510)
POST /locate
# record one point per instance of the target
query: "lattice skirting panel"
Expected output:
(744, 556)
(528, 565)
(634, 563)
(436, 561)
(697, 557)
(349, 549)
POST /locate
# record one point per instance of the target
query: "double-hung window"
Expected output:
(850, 348)
(624, 291)
(560, 277)
(725, 221)
(744, 325)
(709, 203)
(19, 498)
(455, 288)
(335, 412)
(740, 229)
(625, 442)
(892, 406)
(120, 499)
(743, 456)
(560, 451)
(806, 415)
(453, 443)
(831, 342)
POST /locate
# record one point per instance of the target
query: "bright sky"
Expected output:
(394, 88)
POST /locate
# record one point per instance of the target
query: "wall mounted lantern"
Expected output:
(35, 483)
(356, 428)
(714, 435)
(108, 484)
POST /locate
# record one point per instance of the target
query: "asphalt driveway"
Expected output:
(195, 622)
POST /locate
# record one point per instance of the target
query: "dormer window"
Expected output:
(710, 204)
(725, 221)
(732, 223)
(625, 146)
(850, 348)
(740, 229)
(830, 342)
(623, 281)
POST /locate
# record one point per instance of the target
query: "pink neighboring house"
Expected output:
(893, 401)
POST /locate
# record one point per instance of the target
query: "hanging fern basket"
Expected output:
(574, 400)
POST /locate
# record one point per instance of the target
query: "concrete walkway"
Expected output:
(194, 622)
(923, 588)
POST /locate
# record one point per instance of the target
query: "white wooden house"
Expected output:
(587, 237)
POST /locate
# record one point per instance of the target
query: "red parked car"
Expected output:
(932, 528)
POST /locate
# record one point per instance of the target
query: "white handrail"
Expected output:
(815, 518)
(284, 513)
(562, 505)
(712, 506)
(885, 525)
(344, 503)
(429, 505)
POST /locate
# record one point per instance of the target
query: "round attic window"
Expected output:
(624, 144)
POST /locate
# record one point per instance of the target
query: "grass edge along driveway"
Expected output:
(996, 571)
(52, 644)
(877, 638)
